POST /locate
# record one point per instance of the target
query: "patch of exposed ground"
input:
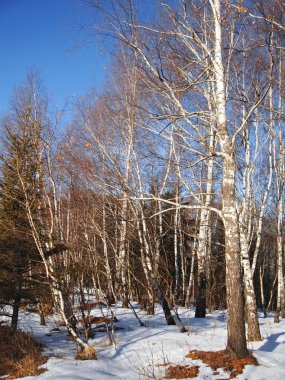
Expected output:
(221, 359)
(181, 372)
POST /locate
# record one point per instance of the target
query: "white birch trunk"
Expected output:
(176, 256)
(203, 241)
(253, 333)
(280, 184)
(122, 263)
(280, 263)
(236, 339)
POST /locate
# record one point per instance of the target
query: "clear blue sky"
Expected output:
(45, 34)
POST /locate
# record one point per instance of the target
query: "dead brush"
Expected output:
(222, 359)
(27, 366)
(45, 308)
(181, 372)
(88, 353)
(106, 341)
(87, 306)
(96, 320)
(20, 354)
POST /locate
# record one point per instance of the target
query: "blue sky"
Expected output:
(45, 34)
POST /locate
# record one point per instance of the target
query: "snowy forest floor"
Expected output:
(147, 352)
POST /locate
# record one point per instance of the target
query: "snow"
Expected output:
(144, 352)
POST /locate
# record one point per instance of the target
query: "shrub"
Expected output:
(20, 354)
(88, 353)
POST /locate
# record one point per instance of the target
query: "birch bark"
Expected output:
(236, 339)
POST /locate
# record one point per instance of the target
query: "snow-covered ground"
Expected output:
(142, 352)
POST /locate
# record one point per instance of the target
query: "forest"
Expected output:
(166, 187)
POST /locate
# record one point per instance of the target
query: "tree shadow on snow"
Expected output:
(135, 339)
(271, 343)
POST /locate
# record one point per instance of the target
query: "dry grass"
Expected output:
(87, 306)
(181, 372)
(45, 308)
(104, 342)
(20, 355)
(96, 320)
(221, 359)
(61, 323)
(88, 353)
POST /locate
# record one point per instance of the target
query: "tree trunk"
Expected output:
(151, 274)
(164, 304)
(175, 248)
(42, 319)
(245, 231)
(236, 343)
(253, 333)
(280, 307)
(236, 340)
(122, 270)
(190, 287)
(203, 249)
(280, 174)
(201, 297)
(15, 314)
(261, 273)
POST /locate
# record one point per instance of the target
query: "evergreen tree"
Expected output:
(20, 183)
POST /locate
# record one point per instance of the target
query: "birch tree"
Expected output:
(185, 32)
(39, 191)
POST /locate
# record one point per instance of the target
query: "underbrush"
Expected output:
(20, 354)
(221, 359)
(181, 372)
(214, 359)
(88, 353)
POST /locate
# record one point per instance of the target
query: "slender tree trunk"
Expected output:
(245, 229)
(280, 262)
(111, 297)
(201, 296)
(261, 275)
(203, 243)
(176, 247)
(279, 164)
(183, 262)
(122, 270)
(42, 318)
(15, 313)
(202, 262)
(153, 278)
(150, 302)
(190, 286)
(54, 286)
(253, 333)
